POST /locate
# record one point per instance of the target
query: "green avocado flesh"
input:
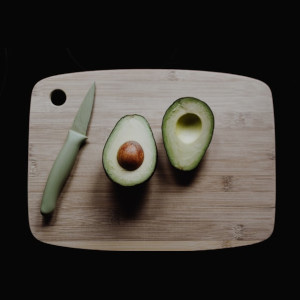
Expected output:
(129, 156)
(187, 130)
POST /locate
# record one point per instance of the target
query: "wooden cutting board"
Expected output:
(228, 201)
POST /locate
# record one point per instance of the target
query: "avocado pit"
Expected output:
(130, 155)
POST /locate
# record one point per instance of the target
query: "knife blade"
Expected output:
(66, 158)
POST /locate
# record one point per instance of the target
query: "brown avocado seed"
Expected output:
(130, 155)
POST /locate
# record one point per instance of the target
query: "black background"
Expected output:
(22, 67)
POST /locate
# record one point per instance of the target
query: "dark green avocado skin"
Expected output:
(138, 184)
(170, 108)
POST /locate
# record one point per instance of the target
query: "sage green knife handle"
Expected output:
(61, 170)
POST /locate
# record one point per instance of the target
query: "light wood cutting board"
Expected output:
(228, 201)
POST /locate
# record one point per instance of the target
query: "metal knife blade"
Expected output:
(83, 116)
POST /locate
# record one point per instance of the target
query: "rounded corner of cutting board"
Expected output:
(36, 236)
(233, 202)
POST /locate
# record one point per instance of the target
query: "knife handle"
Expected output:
(61, 170)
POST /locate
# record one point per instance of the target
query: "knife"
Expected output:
(67, 156)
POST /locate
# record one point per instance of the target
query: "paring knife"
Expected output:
(67, 156)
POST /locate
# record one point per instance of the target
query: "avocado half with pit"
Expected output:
(187, 130)
(129, 156)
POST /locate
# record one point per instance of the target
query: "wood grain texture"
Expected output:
(228, 201)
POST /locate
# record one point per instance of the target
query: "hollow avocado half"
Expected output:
(129, 156)
(187, 129)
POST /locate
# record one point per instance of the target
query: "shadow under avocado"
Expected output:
(186, 178)
(129, 200)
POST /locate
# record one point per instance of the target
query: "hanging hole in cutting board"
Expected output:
(58, 97)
